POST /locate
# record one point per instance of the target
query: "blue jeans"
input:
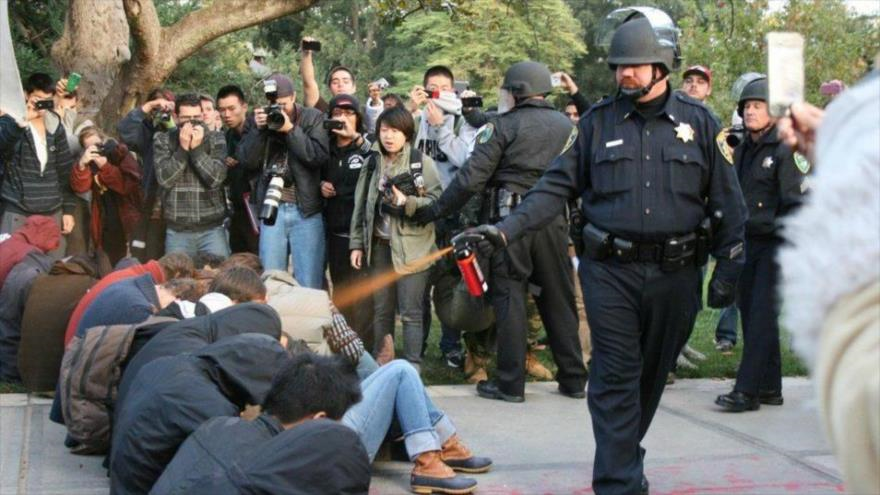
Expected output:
(726, 329)
(301, 236)
(212, 240)
(397, 388)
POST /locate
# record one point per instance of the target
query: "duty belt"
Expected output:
(671, 254)
(501, 203)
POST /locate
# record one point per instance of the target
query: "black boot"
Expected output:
(738, 402)
(488, 389)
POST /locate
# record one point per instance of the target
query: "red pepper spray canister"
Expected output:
(473, 277)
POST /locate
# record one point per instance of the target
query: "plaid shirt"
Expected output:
(191, 182)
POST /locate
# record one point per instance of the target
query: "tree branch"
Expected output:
(143, 22)
(198, 28)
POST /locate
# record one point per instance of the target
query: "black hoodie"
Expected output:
(172, 396)
(192, 334)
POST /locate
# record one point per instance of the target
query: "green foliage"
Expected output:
(35, 26)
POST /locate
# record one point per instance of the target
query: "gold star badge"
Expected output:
(684, 132)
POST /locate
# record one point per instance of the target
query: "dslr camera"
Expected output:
(107, 148)
(163, 118)
(274, 112)
(274, 174)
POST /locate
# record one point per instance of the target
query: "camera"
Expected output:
(735, 135)
(333, 124)
(314, 46)
(472, 102)
(163, 118)
(274, 115)
(107, 148)
(46, 104)
(275, 174)
(381, 83)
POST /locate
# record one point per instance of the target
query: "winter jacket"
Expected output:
(13, 297)
(191, 182)
(38, 233)
(409, 240)
(26, 189)
(116, 185)
(136, 295)
(137, 131)
(50, 303)
(342, 170)
(212, 449)
(306, 150)
(152, 267)
(317, 456)
(304, 312)
(173, 396)
(192, 334)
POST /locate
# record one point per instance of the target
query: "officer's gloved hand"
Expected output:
(425, 214)
(492, 239)
(722, 287)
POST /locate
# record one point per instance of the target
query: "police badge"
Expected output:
(485, 133)
(723, 147)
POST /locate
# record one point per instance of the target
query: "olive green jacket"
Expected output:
(409, 241)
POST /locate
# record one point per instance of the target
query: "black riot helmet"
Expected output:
(757, 89)
(524, 79)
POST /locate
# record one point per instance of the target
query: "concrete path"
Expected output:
(540, 447)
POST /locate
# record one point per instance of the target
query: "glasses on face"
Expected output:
(187, 118)
(343, 112)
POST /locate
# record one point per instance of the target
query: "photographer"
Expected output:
(340, 80)
(382, 235)
(113, 176)
(37, 163)
(348, 154)
(291, 145)
(138, 130)
(190, 170)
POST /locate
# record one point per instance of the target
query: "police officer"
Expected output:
(773, 180)
(510, 155)
(650, 166)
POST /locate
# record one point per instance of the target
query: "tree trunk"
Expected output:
(117, 75)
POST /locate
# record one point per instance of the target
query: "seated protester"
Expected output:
(340, 81)
(249, 260)
(13, 296)
(190, 170)
(171, 397)
(232, 285)
(113, 177)
(306, 388)
(37, 164)
(296, 151)
(207, 261)
(38, 233)
(382, 235)
(348, 154)
(138, 130)
(395, 391)
(170, 266)
(191, 334)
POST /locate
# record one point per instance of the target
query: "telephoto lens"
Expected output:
(269, 211)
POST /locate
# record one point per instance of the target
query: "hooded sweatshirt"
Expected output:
(173, 396)
(193, 334)
(317, 456)
(13, 297)
(38, 233)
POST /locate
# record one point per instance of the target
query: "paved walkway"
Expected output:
(540, 447)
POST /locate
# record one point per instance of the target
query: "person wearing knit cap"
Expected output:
(296, 151)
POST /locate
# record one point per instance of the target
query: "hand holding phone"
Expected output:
(785, 71)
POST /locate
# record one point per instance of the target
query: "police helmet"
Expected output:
(640, 35)
(755, 90)
(527, 78)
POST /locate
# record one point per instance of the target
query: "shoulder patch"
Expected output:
(485, 133)
(723, 148)
(572, 137)
(802, 163)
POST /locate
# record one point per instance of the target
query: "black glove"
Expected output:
(722, 287)
(490, 240)
(425, 214)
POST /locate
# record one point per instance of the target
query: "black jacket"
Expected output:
(306, 149)
(342, 170)
(238, 178)
(13, 296)
(771, 181)
(192, 334)
(173, 396)
(319, 456)
(213, 449)
(136, 130)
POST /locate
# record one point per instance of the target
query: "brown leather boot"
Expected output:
(457, 456)
(431, 475)
(386, 352)
(535, 369)
(475, 368)
(478, 376)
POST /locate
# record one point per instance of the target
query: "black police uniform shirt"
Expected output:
(644, 179)
(342, 170)
(773, 181)
(512, 151)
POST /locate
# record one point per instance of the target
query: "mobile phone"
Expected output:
(555, 80)
(472, 102)
(460, 86)
(314, 46)
(72, 82)
(382, 83)
(435, 94)
(47, 104)
(333, 124)
(785, 71)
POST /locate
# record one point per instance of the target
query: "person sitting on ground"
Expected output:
(13, 297)
(171, 397)
(307, 388)
(230, 286)
(38, 233)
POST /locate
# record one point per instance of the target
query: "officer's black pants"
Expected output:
(540, 258)
(761, 366)
(359, 315)
(639, 320)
